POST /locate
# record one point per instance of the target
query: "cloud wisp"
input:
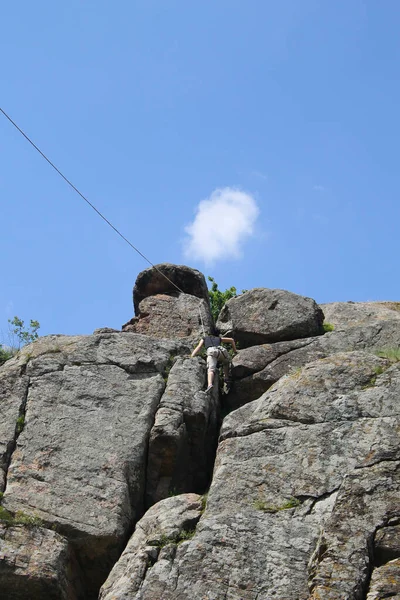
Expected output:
(221, 225)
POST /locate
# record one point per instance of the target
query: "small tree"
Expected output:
(24, 334)
(218, 298)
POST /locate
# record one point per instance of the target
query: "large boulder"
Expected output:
(263, 315)
(167, 278)
(303, 479)
(38, 564)
(172, 317)
(171, 301)
(385, 582)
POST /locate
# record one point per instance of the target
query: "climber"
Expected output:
(216, 352)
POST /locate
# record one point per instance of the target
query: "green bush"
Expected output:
(6, 354)
(218, 298)
(328, 327)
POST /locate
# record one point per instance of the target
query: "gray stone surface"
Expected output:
(263, 315)
(152, 281)
(387, 544)
(13, 392)
(385, 578)
(152, 546)
(342, 561)
(385, 582)
(184, 437)
(344, 315)
(80, 461)
(255, 358)
(105, 330)
(37, 564)
(319, 450)
(255, 369)
(172, 317)
(303, 502)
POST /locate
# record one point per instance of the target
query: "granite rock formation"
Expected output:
(370, 326)
(171, 302)
(262, 316)
(168, 278)
(108, 445)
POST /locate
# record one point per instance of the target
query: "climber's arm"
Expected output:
(230, 341)
(197, 349)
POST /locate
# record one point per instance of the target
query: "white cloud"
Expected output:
(221, 225)
(259, 174)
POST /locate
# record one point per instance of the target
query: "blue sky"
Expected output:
(256, 141)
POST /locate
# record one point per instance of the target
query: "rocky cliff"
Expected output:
(121, 479)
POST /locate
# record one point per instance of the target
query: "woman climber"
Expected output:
(216, 353)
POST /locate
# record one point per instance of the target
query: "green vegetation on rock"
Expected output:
(20, 423)
(6, 354)
(392, 354)
(25, 335)
(218, 298)
(20, 518)
(272, 508)
(176, 539)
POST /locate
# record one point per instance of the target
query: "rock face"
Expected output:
(98, 394)
(385, 579)
(154, 543)
(303, 478)
(171, 302)
(184, 436)
(13, 392)
(108, 440)
(153, 281)
(262, 316)
(341, 563)
(172, 317)
(344, 315)
(255, 369)
(37, 563)
(77, 417)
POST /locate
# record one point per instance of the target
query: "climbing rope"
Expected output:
(201, 321)
(97, 211)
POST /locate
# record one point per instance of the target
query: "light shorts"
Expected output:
(215, 354)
